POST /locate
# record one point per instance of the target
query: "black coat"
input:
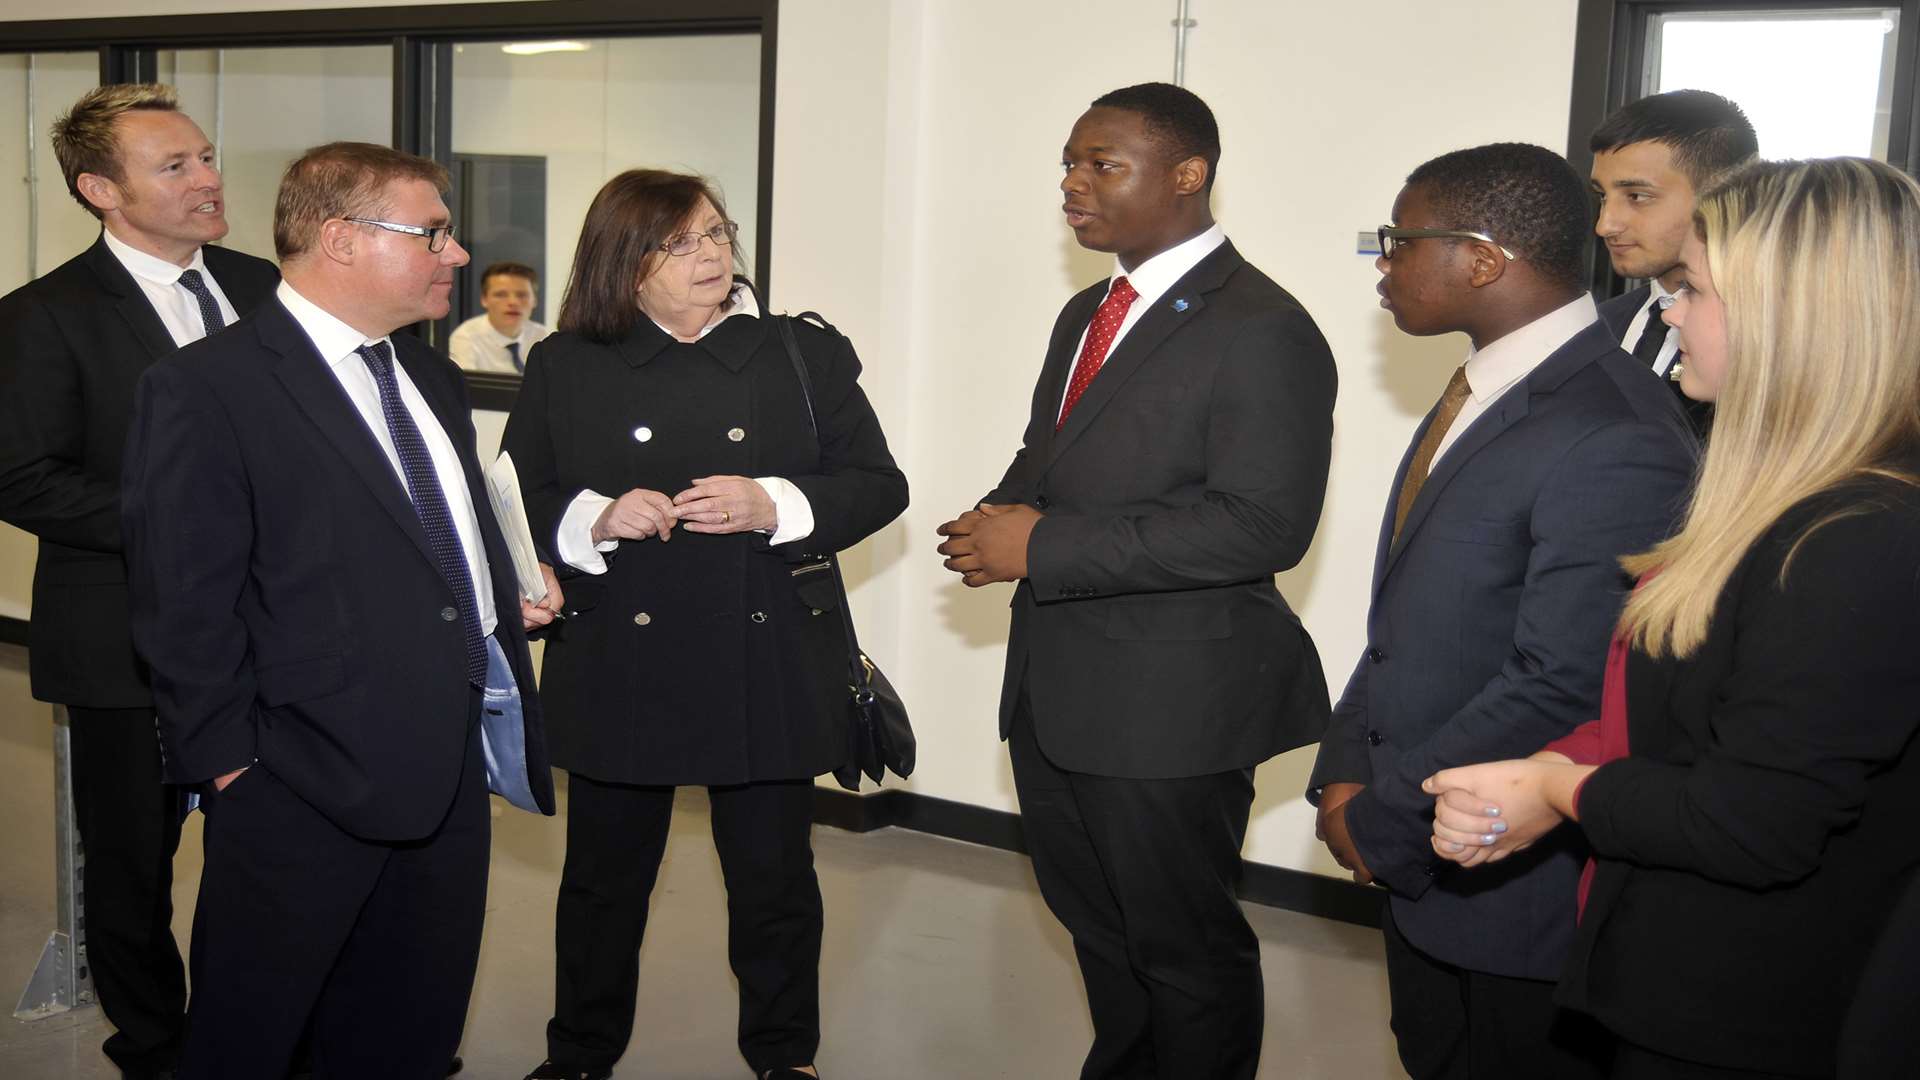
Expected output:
(74, 344)
(1149, 633)
(1755, 841)
(285, 593)
(706, 659)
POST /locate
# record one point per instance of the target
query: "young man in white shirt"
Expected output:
(500, 339)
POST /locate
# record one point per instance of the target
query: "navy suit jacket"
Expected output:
(1487, 636)
(285, 594)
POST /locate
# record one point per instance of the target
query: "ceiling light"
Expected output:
(535, 48)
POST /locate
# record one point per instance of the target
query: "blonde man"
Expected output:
(78, 339)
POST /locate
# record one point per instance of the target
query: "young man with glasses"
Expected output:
(77, 340)
(1495, 586)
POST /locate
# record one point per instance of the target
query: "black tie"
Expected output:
(1652, 338)
(513, 350)
(430, 502)
(209, 307)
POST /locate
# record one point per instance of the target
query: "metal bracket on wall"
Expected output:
(62, 981)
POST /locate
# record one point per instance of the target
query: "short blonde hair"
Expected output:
(341, 179)
(87, 138)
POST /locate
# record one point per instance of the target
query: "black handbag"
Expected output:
(879, 734)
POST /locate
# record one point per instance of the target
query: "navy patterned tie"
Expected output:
(209, 307)
(513, 351)
(430, 502)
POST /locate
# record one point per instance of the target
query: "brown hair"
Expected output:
(341, 179)
(507, 269)
(630, 218)
(86, 139)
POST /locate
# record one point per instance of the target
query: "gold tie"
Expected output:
(1450, 404)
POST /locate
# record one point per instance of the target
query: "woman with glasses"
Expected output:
(668, 458)
(1750, 788)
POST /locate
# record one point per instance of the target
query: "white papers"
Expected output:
(503, 490)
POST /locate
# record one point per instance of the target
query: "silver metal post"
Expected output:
(62, 980)
(33, 179)
(1181, 24)
(219, 105)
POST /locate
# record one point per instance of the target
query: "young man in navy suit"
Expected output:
(1495, 587)
(1651, 160)
(1175, 460)
(77, 340)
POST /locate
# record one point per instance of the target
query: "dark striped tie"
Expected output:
(209, 307)
(513, 350)
(430, 502)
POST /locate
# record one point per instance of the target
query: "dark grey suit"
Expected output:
(1618, 314)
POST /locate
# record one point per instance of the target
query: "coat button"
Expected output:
(643, 433)
(1041, 502)
(642, 619)
(1374, 738)
(1376, 655)
(736, 434)
(758, 616)
(816, 611)
(449, 614)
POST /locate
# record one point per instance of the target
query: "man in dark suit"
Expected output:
(1651, 159)
(1176, 459)
(77, 340)
(1495, 586)
(329, 610)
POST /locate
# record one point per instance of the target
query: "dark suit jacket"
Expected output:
(1755, 843)
(283, 589)
(706, 659)
(1149, 633)
(77, 340)
(1488, 632)
(1619, 311)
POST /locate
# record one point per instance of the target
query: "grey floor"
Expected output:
(940, 960)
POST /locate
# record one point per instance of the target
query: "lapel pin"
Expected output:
(1180, 304)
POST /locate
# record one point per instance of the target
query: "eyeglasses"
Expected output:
(437, 235)
(1391, 236)
(687, 243)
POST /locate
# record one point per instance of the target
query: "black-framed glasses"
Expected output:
(437, 235)
(686, 243)
(1391, 237)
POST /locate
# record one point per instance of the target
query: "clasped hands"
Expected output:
(989, 543)
(1484, 813)
(714, 504)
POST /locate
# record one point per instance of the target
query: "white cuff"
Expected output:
(793, 514)
(574, 538)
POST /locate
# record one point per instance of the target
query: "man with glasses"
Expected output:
(77, 341)
(330, 614)
(1495, 588)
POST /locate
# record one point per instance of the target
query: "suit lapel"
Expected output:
(1061, 355)
(300, 368)
(244, 291)
(132, 304)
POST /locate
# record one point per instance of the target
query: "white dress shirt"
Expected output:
(336, 342)
(1658, 300)
(1494, 370)
(1150, 281)
(793, 514)
(179, 309)
(476, 346)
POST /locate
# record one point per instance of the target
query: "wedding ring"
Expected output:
(726, 517)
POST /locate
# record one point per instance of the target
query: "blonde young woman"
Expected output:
(1752, 787)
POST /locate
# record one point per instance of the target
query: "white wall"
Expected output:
(915, 205)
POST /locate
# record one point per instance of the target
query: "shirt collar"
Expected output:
(148, 267)
(335, 339)
(1151, 279)
(1504, 362)
(1658, 294)
(739, 302)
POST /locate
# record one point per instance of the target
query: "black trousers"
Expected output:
(1142, 874)
(1456, 1024)
(616, 834)
(129, 826)
(373, 944)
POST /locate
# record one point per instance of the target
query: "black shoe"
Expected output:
(549, 1071)
(787, 1073)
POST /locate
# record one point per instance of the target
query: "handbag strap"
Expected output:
(784, 323)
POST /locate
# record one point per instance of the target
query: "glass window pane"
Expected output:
(64, 228)
(262, 107)
(537, 129)
(1839, 98)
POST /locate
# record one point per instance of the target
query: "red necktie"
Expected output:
(1100, 334)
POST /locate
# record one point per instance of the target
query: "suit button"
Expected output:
(1376, 655)
(642, 619)
(758, 616)
(1041, 502)
(449, 614)
(1374, 738)
(736, 434)
(816, 611)
(1433, 869)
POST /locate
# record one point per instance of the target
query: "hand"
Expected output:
(1484, 813)
(726, 504)
(1330, 827)
(989, 544)
(534, 615)
(638, 514)
(220, 782)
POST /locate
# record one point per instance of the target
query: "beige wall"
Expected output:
(915, 205)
